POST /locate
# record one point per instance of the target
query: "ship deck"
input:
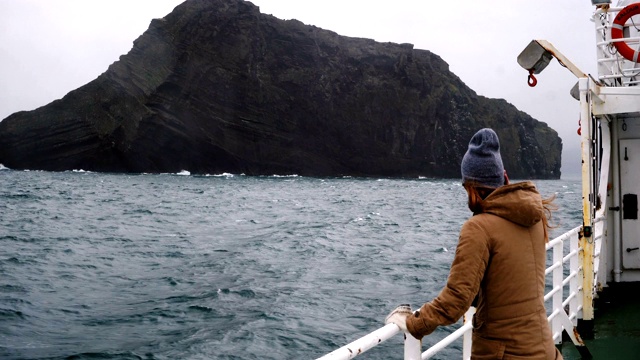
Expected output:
(616, 328)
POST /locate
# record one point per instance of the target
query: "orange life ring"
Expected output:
(616, 32)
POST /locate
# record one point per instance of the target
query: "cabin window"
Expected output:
(630, 206)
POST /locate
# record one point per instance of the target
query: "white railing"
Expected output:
(566, 293)
(412, 346)
(613, 68)
(559, 319)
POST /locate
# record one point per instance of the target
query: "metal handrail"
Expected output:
(412, 345)
(363, 344)
(613, 66)
(559, 320)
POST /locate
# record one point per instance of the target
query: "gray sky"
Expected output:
(48, 48)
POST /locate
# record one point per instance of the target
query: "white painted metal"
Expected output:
(563, 60)
(615, 217)
(602, 261)
(615, 100)
(629, 185)
(559, 319)
(363, 344)
(461, 332)
(467, 337)
(556, 326)
(575, 288)
(586, 242)
(412, 348)
(613, 69)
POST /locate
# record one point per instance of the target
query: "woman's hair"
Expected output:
(478, 192)
(548, 207)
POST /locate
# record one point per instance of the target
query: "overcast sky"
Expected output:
(48, 48)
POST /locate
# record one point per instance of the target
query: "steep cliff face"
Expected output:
(216, 86)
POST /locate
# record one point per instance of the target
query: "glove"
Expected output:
(399, 316)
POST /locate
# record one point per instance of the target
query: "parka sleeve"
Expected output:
(463, 284)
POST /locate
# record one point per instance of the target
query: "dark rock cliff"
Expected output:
(216, 86)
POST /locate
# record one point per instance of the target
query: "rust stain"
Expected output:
(577, 335)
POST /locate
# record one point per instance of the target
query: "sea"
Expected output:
(224, 266)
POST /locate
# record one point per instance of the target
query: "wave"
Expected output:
(2, 167)
(285, 176)
(230, 175)
(227, 175)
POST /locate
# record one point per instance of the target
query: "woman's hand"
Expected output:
(399, 316)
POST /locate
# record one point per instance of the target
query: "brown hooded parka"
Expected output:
(500, 259)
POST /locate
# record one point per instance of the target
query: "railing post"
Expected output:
(575, 304)
(556, 323)
(586, 245)
(412, 348)
(586, 241)
(467, 337)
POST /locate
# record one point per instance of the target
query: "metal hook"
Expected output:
(580, 127)
(532, 81)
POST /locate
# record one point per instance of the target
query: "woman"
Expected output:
(499, 262)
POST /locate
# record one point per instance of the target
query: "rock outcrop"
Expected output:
(216, 86)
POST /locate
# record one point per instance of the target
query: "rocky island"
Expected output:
(216, 86)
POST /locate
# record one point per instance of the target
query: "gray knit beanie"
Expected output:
(482, 162)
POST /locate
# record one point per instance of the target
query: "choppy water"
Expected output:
(109, 266)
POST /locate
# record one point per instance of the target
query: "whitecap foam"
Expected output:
(2, 167)
(228, 175)
(184, 173)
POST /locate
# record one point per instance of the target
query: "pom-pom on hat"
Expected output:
(482, 162)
